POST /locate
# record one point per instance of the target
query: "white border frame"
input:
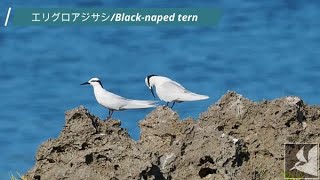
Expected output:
(284, 163)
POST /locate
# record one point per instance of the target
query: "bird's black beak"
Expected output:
(84, 83)
(151, 89)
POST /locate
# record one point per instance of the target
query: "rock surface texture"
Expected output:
(234, 139)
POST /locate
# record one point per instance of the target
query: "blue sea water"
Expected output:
(262, 50)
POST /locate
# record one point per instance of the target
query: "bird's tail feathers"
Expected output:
(193, 97)
(140, 104)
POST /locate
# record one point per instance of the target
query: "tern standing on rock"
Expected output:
(171, 91)
(114, 102)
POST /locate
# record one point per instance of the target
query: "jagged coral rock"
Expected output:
(234, 139)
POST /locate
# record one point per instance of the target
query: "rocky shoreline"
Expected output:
(234, 139)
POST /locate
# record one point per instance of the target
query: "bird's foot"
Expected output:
(165, 105)
(108, 118)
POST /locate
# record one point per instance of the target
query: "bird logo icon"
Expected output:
(307, 165)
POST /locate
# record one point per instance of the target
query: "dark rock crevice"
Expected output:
(204, 172)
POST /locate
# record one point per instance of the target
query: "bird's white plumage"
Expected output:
(300, 155)
(169, 90)
(313, 154)
(116, 102)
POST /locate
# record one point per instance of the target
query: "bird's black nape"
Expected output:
(151, 89)
(148, 78)
(98, 82)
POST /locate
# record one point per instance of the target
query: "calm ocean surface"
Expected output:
(260, 50)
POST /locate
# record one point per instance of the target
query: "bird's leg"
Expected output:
(173, 104)
(110, 114)
(167, 105)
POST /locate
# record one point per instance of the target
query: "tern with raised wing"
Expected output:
(171, 91)
(115, 102)
(307, 166)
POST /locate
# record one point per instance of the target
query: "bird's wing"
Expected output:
(313, 154)
(179, 93)
(174, 87)
(124, 103)
(116, 96)
(300, 155)
(139, 104)
(114, 100)
(177, 84)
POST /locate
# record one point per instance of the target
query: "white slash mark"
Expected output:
(7, 18)
(112, 17)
